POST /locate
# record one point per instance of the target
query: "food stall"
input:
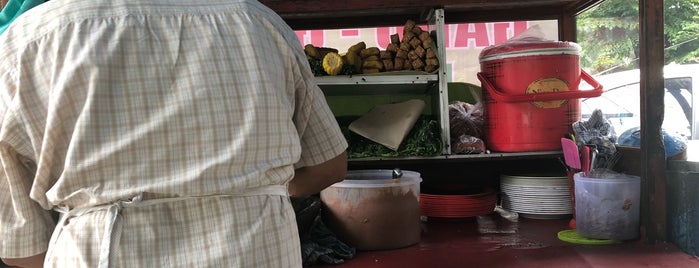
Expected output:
(446, 168)
(442, 170)
(328, 15)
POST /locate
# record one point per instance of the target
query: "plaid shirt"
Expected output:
(103, 102)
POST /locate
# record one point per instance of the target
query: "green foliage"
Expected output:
(422, 140)
(608, 34)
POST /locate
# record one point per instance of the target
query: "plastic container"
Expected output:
(370, 210)
(530, 92)
(608, 208)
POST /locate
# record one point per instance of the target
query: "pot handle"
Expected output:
(546, 96)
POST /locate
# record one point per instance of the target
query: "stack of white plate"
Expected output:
(536, 197)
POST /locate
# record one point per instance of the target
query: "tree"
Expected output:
(608, 34)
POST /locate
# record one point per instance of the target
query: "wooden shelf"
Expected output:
(463, 157)
(386, 83)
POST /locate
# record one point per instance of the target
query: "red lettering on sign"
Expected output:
(315, 37)
(349, 33)
(465, 35)
(383, 35)
(471, 31)
(520, 26)
(300, 35)
(500, 32)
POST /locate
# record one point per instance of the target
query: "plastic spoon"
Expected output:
(570, 153)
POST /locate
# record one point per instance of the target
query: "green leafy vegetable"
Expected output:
(424, 139)
(316, 67)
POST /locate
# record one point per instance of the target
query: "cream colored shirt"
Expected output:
(109, 100)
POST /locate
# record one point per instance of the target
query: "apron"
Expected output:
(113, 226)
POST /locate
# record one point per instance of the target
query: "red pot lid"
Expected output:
(528, 47)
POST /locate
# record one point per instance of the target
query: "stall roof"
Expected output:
(323, 14)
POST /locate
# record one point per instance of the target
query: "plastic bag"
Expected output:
(466, 144)
(530, 38)
(598, 131)
(531, 34)
(465, 118)
(466, 127)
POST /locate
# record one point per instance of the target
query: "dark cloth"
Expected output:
(320, 245)
(597, 131)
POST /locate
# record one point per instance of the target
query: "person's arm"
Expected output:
(28, 262)
(312, 179)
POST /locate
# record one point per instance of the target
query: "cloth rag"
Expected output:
(320, 245)
(597, 131)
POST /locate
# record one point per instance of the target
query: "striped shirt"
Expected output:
(116, 103)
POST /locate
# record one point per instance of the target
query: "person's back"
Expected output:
(169, 127)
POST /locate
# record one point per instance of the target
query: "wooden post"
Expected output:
(651, 63)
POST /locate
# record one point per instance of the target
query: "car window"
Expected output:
(678, 106)
(621, 106)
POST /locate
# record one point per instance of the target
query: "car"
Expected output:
(620, 101)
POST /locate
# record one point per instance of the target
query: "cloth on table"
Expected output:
(320, 244)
